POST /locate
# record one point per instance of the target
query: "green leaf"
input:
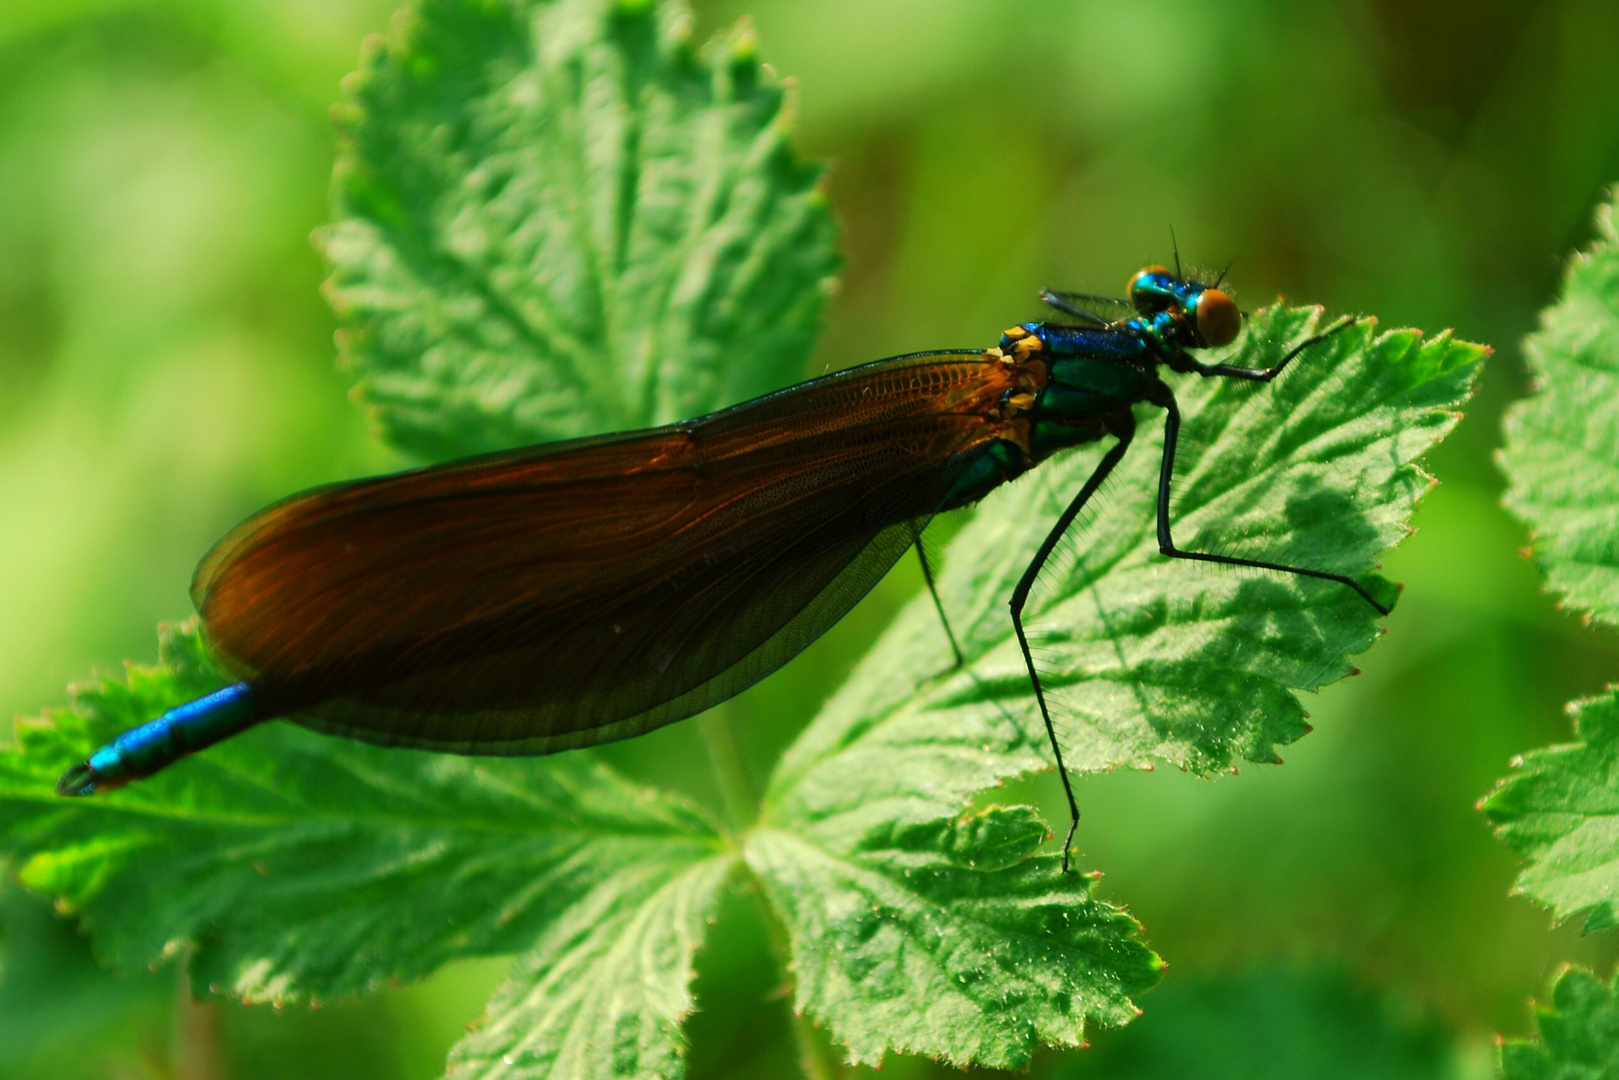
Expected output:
(1146, 658)
(1560, 806)
(603, 991)
(1560, 809)
(1579, 1033)
(952, 939)
(883, 886)
(1562, 449)
(558, 218)
(294, 866)
(1273, 1024)
(55, 1000)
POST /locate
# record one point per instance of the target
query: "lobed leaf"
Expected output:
(862, 846)
(558, 217)
(1146, 658)
(1560, 805)
(952, 939)
(552, 217)
(1562, 444)
(1560, 809)
(603, 991)
(1579, 1033)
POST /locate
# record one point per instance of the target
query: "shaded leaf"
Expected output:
(1272, 1024)
(1560, 806)
(1579, 1033)
(1562, 447)
(558, 218)
(55, 1000)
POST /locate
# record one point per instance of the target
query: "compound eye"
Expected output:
(1218, 320)
(1138, 282)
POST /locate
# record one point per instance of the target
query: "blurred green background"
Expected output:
(167, 368)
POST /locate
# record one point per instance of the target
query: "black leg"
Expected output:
(1166, 543)
(933, 590)
(1267, 374)
(1125, 430)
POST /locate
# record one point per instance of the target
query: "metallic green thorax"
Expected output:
(1094, 376)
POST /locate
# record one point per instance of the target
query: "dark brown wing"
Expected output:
(587, 591)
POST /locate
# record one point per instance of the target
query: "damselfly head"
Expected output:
(1207, 310)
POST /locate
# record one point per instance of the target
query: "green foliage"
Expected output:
(541, 205)
(1271, 1024)
(559, 217)
(1158, 661)
(1560, 809)
(1147, 659)
(1562, 451)
(293, 867)
(299, 867)
(1560, 806)
(950, 938)
(45, 1034)
(604, 988)
(1579, 1033)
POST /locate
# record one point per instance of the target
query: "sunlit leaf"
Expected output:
(951, 939)
(552, 218)
(603, 991)
(1559, 808)
(557, 218)
(1147, 659)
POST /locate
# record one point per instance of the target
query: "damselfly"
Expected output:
(581, 592)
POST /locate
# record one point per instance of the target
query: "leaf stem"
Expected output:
(741, 803)
(197, 1053)
(815, 1055)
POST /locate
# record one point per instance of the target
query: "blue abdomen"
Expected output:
(1086, 342)
(1094, 371)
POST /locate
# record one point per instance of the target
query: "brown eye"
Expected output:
(1218, 320)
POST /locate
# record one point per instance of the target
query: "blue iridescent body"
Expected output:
(1095, 374)
(183, 730)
